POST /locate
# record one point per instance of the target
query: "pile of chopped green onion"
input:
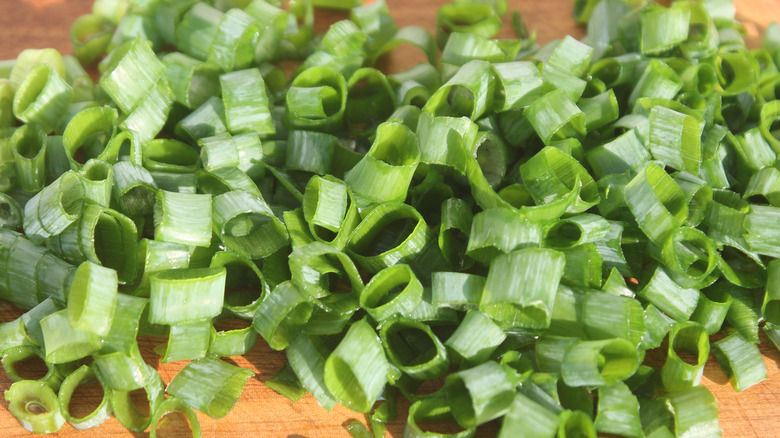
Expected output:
(514, 224)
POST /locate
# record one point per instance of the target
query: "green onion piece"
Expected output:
(663, 29)
(370, 101)
(456, 223)
(618, 411)
(414, 348)
(64, 343)
(186, 295)
(576, 230)
(528, 418)
(381, 297)
(689, 338)
(232, 342)
(433, 408)
(316, 100)
(174, 405)
(20, 280)
(151, 113)
(282, 314)
(310, 151)
(135, 25)
(675, 139)
(671, 298)
(373, 247)
(92, 298)
(318, 268)
(599, 110)
(134, 189)
(467, 17)
(555, 116)
(286, 383)
(356, 371)
(606, 316)
(770, 113)
(329, 210)
(124, 324)
(657, 202)
(575, 423)
(55, 207)
(188, 340)
(740, 360)
(599, 363)
(98, 178)
(233, 45)
(183, 218)
(209, 385)
(155, 256)
(90, 35)
(464, 47)
(384, 173)
(42, 98)
(28, 148)
(479, 394)
(119, 371)
(35, 406)
(206, 121)
(82, 375)
(246, 102)
(469, 92)
(520, 287)
(551, 174)
(15, 356)
(711, 311)
(128, 413)
(307, 358)
(476, 338)
(695, 412)
(457, 290)
(245, 285)
(658, 80)
(192, 81)
(247, 225)
(132, 72)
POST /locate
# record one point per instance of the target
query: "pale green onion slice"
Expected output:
(479, 394)
(42, 98)
(233, 45)
(92, 298)
(381, 297)
(282, 314)
(695, 412)
(307, 358)
(246, 224)
(35, 406)
(356, 371)
(552, 174)
(555, 116)
(599, 363)
(414, 348)
(55, 207)
(82, 375)
(520, 287)
(528, 418)
(134, 189)
(181, 295)
(28, 149)
(657, 202)
(209, 385)
(741, 361)
(246, 102)
(183, 218)
(618, 411)
(62, 343)
(680, 373)
(125, 409)
(663, 29)
(476, 338)
(316, 100)
(174, 405)
(188, 340)
(385, 172)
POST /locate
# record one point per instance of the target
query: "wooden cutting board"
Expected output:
(262, 412)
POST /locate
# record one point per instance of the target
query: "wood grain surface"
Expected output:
(260, 411)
